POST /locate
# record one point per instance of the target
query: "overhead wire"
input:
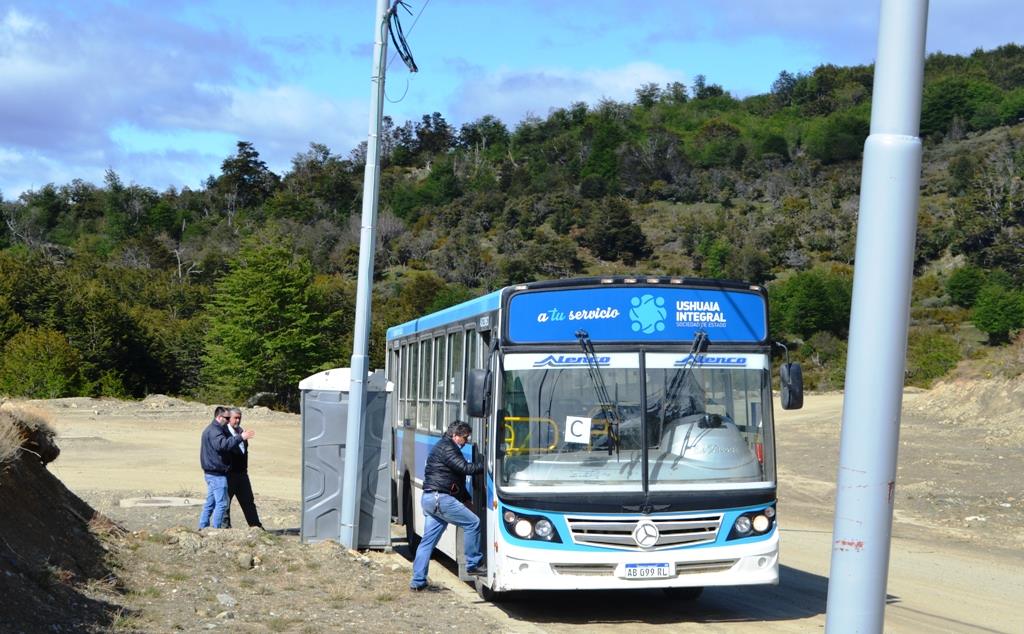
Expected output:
(402, 50)
(398, 33)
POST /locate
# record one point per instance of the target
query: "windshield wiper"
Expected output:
(608, 406)
(699, 346)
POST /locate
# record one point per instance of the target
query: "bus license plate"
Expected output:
(646, 571)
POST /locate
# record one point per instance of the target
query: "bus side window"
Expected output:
(414, 379)
(470, 361)
(426, 363)
(439, 381)
(391, 371)
(453, 391)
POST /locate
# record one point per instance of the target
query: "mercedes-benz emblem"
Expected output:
(646, 534)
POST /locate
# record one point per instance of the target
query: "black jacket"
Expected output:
(216, 447)
(238, 462)
(446, 469)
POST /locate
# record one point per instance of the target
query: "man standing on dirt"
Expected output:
(214, 455)
(444, 482)
(238, 475)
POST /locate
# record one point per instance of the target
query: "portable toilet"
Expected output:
(324, 407)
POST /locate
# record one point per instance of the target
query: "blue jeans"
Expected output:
(216, 501)
(439, 510)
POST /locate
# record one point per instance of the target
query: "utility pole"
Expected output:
(880, 315)
(351, 486)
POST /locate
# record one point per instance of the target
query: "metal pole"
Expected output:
(351, 489)
(878, 325)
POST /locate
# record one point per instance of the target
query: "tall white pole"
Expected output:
(351, 488)
(890, 185)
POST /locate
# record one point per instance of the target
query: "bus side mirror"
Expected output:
(791, 382)
(478, 393)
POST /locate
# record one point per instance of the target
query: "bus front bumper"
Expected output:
(524, 568)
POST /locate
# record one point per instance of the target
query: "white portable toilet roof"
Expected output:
(335, 380)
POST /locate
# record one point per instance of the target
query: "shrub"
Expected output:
(39, 363)
(838, 137)
(963, 285)
(930, 355)
(812, 301)
(826, 360)
(998, 311)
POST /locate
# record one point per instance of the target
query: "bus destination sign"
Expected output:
(637, 314)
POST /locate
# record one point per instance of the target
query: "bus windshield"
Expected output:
(700, 420)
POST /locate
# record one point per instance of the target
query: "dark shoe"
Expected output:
(424, 588)
(479, 571)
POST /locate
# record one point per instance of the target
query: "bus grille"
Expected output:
(699, 567)
(608, 570)
(584, 570)
(618, 532)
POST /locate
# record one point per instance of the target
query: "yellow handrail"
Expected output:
(510, 434)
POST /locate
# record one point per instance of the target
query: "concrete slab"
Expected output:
(160, 501)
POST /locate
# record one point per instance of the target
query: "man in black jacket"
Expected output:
(444, 481)
(239, 485)
(214, 456)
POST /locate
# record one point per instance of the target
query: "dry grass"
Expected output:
(10, 437)
(16, 424)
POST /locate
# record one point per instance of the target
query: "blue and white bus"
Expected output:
(626, 424)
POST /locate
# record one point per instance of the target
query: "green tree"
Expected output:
(434, 135)
(838, 137)
(39, 363)
(964, 283)
(612, 234)
(812, 301)
(997, 312)
(718, 143)
(484, 133)
(958, 97)
(265, 330)
(930, 355)
(245, 179)
(647, 95)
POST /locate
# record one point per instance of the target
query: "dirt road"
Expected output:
(956, 555)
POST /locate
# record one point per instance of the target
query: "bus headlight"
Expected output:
(544, 529)
(742, 526)
(753, 524)
(530, 527)
(523, 528)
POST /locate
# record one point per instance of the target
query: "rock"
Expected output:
(190, 542)
(226, 600)
(245, 560)
(226, 615)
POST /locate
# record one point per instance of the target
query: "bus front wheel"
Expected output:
(684, 594)
(487, 594)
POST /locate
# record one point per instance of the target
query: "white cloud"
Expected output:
(510, 95)
(16, 23)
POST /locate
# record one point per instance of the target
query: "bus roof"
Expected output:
(750, 331)
(456, 313)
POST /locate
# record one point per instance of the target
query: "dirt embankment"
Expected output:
(64, 567)
(55, 566)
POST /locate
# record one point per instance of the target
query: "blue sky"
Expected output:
(160, 91)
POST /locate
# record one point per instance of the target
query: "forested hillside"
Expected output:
(247, 284)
